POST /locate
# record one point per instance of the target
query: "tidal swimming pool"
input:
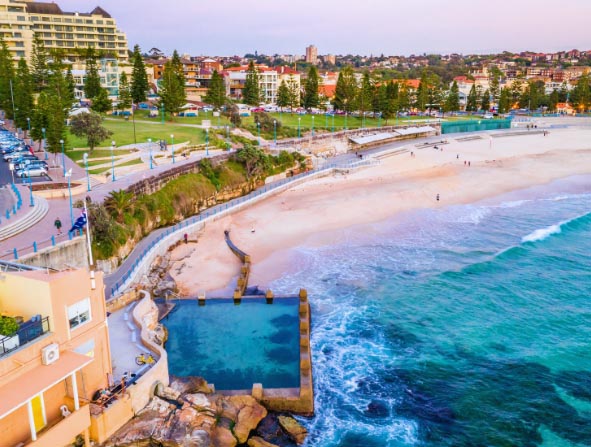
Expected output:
(234, 346)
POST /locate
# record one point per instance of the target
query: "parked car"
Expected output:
(207, 108)
(16, 155)
(31, 172)
(31, 164)
(257, 110)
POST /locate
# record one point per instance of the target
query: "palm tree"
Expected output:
(118, 203)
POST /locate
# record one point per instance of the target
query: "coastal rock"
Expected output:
(188, 385)
(377, 408)
(270, 430)
(201, 403)
(223, 437)
(293, 429)
(250, 413)
(255, 441)
(167, 393)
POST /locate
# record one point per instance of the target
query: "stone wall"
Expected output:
(67, 254)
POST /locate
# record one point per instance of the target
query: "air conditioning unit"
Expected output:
(50, 354)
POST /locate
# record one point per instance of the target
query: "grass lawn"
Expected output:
(123, 135)
(135, 161)
(143, 115)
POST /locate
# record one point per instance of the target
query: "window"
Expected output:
(79, 313)
(19, 44)
(20, 18)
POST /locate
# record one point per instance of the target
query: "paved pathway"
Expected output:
(125, 342)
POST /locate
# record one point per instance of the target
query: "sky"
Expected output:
(389, 27)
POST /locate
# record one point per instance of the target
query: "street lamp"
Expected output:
(162, 108)
(29, 126)
(150, 148)
(113, 161)
(63, 157)
(333, 113)
(172, 145)
(312, 126)
(275, 132)
(44, 142)
(207, 141)
(299, 122)
(228, 136)
(68, 175)
(30, 185)
(346, 121)
(85, 157)
(259, 131)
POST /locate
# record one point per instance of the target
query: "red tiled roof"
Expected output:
(327, 90)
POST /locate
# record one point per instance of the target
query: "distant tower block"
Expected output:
(312, 54)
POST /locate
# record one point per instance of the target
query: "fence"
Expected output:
(35, 246)
(168, 236)
(475, 125)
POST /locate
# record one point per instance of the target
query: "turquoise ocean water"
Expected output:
(463, 326)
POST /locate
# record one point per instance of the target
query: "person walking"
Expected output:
(438, 197)
(58, 225)
(186, 237)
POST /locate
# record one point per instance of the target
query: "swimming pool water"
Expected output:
(234, 346)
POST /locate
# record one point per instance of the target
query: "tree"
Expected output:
(310, 96)
(6, 77)
(124, 99)
(345, 90)
(39, 64)
(504, 101)
(216, 93)
(472, 100)
(101, 102)
(172, 87)
(58, 104)
(581, 95)
(254, 160)
(71, 84)
(283, 95)
(404, 99)
(294, 92)
(139, 77)
(251, 93)
(118, 203)
(23, 94)
(233, 114)
(422, 97)
(553, 100)
(485, 101)
(40, 118)
(89, 126)
(452, 102)
(92, 83)
(365, 97)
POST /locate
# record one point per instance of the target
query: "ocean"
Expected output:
(465, 325)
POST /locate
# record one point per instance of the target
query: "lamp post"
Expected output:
(150, 148)
(275, 132)
(113, 161)
(228, 136)
(259, 131)
(30, 185)
(63, 157)
(44, 142)
(172, 145)
(162, 109)
(29, 126)
(380, 120)
(299, 122)
(85, 157)
(312, 126)
(333, 121)
(68, 175)
(326, 121)
(207, 141)
(346, 121)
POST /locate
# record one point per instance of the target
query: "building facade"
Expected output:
(57, 359)
(68, 32)
(312, 54)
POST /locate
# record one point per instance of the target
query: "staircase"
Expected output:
(37, 213)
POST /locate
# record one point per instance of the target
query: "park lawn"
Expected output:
(135, 161)
(123, 134)
(143, 115)
(78, 156)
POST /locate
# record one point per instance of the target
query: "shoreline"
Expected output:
(318, 212)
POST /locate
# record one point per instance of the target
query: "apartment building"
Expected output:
(69, 32)
(57, 359)
(235, 78)
(312, 54)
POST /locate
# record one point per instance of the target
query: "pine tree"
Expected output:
(6, 77)
(92, 83)
(392, 92)
(251, 93)
(472, 100)
(504, 101)
(311, 98)
(283, 95)
(124, 100)
(101, 102)
(485, 101)
(40, 119)
(346, 90)
(23, 94)
(39, 64)
(452, 102)
(71, 86)
(404, 98)
(294, 93)
(553, 100)
(139, 77)
(58, 103)
(365, 97)
(172, 88)
(581, 94)
(216, 93)
(422, 97)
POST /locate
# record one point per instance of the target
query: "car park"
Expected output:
(31, 172)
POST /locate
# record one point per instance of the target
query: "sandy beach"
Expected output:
(314, 212)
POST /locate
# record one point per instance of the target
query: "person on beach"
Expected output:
(186, 237)
(252, 230)
(58, 225)
(458, 156)
(468, 163)
(438, 197)
(465, 162)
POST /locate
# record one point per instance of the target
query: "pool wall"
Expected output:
(294, 400)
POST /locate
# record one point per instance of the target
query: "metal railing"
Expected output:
(35, 246)
(28, 331)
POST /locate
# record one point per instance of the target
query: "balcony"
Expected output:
(62, 431)
(28, 331)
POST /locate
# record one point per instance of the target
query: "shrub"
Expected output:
(8, 326)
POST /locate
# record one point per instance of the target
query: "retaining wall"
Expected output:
(72, 253)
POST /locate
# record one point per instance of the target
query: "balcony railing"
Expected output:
(27, 332)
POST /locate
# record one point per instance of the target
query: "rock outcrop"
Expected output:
(188, 414)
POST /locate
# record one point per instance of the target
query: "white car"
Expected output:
(32, 172)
